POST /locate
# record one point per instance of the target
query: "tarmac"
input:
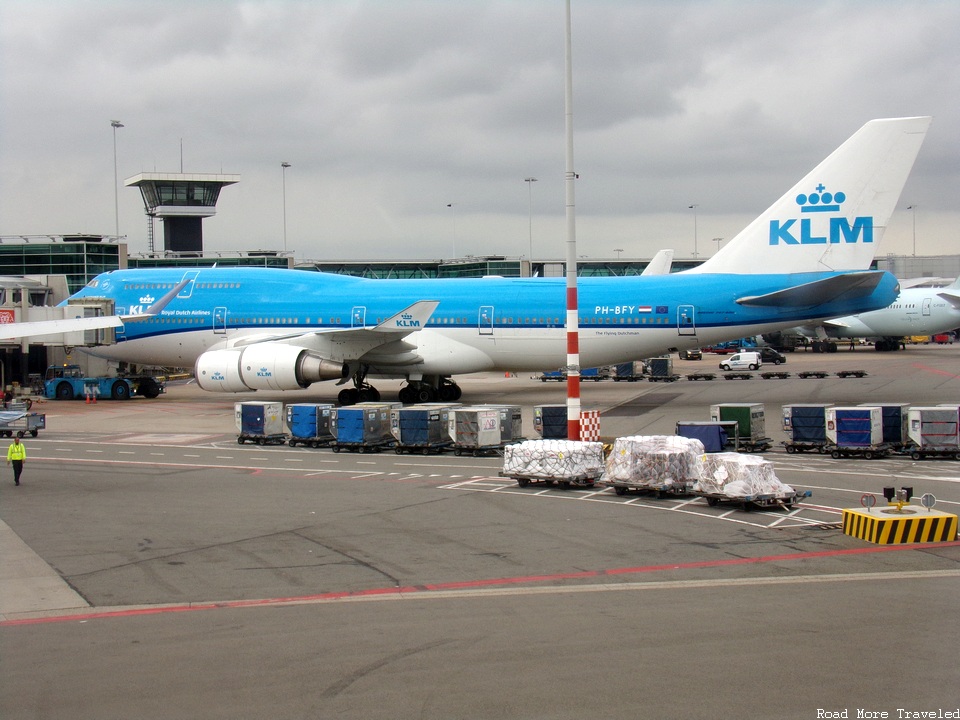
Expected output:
(152, 567)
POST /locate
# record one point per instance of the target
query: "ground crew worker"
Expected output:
(16, 455)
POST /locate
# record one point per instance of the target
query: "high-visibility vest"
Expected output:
(16, 451)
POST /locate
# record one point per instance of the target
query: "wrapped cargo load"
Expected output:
(655, 461)
(739, 476)
(553, 460)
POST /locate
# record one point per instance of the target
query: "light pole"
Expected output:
(694, 208)
(116, 197)
(718, 241)
(618, 251)
(283, 171)
(453, 214)
(530, 181)
(914, 209)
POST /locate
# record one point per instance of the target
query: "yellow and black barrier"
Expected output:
(893, 526)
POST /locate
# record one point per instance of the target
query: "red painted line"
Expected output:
(474, 584)
(920, 366)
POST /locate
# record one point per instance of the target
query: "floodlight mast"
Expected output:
(573, 330)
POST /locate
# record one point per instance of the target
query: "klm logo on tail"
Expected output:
(839, 228)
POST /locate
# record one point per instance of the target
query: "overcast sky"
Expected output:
(411, 125)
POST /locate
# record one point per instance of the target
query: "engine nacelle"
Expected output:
(264, 366)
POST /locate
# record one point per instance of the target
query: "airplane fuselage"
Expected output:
(479, 324)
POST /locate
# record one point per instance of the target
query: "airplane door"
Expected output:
(220, 321)
(187, 290)
(926, 307)
(485, 320)
(358, 317)
(686, 320)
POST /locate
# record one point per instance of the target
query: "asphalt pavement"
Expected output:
(152, 567)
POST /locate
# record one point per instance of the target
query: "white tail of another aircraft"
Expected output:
(834, 218)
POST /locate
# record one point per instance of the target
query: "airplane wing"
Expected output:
(818, 292)
(382, 343)
(12, 331)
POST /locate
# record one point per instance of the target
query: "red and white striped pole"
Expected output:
(573, 329)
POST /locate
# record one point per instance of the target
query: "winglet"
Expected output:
(160, 304)
(409, 319)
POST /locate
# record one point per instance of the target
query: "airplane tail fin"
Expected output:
(660, 264)
(834, 218)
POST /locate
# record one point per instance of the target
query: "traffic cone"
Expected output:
(88, 398)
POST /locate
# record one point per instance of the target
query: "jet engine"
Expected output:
(264, 366)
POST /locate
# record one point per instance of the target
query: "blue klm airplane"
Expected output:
(242, 329)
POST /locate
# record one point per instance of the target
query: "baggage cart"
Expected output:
(658, 464)
(744, 480)
(421, 428)
(566, 463)
(260, 423)
(751, 424)
(856, 432)
(933, 432)
(21, 423)
(364, 427)
(806, 427)
(309, 424)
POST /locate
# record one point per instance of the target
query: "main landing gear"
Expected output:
(418, 391)
(421, 392)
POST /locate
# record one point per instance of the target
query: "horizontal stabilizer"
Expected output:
(818, 292)
(951, 296)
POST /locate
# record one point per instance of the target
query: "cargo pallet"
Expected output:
(663, 378)
(422, 449)
(659, 490)
(778, 375)
(314, 442)
(361, 447)
(701, 376)
(851, 373)
(797, 446)
(262, 439)
(813, 374)
(867, 452)
(564, 481)
(31, 423)
(750, 502)
(737, 376)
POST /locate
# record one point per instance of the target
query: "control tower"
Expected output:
(182, 201)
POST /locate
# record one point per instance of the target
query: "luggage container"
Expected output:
(856, 431)
(364, 427)
(421, 428)
(715, 436)
(309, 424)
(550, 421)
(660, 369)
(628, 371)
(893, 418)
(806, 427)
(484, 429)
(751, 424)
(933, 432)
(260, 422)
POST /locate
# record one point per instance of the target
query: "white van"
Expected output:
(742, 361)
